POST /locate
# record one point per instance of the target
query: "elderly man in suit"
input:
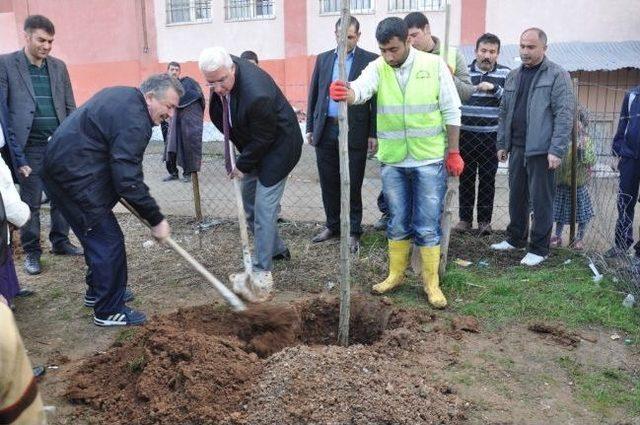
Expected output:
(247, 105)
(322, 132)
(37, 90)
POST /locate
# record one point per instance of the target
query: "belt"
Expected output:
(332, 120)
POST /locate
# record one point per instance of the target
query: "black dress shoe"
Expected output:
(24, 292)
(67, 248)
(354, 243)
(32, 264)
(286, 255)
(325, 235)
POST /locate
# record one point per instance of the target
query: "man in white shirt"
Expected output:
(418, 119)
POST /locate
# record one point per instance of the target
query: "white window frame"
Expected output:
(193, 7)
(400, 6)
(252, 9)
(353, 9)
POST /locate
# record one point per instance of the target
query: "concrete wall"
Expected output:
(183, 42)
(565, 20)
(320, 28)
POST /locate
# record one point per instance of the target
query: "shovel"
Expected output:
(243, 284)
(231, 298)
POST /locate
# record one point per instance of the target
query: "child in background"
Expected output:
(586, 158)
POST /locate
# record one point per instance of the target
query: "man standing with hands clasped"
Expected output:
(535, 124)
(418, 118)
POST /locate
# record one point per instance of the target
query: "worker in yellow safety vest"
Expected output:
(418, 119)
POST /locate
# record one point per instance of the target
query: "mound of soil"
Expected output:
(273, 364)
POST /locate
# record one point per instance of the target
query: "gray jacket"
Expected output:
(550, 111)
(16, 91)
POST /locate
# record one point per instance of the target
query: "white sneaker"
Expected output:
(532, 259)
(502, 246)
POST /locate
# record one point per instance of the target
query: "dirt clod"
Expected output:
(465, 323)
(558, 333)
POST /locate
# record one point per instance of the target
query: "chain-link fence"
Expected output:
(483, 195)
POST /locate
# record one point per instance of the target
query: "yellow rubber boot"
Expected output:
(398, 262)
(430, 279)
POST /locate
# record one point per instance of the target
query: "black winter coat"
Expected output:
(95, 158)
(264, 126)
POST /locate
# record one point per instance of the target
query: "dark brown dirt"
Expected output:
(205, 365)
(557, 333)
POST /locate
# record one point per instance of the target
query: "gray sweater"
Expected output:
(550, 111)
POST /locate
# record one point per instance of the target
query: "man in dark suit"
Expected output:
(37, 90)
(247, 105)
(93, 160)
(322, 132)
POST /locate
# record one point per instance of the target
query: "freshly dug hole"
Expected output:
(204, 365)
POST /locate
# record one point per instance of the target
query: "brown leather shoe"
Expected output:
(325, 235)
(354, 243)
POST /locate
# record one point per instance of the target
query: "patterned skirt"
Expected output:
(562, 205)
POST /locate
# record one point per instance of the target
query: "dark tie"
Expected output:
(225, 130)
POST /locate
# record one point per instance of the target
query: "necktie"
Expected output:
(225, 130)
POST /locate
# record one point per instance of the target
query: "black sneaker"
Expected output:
(67, 248)
(127, 317)
(171, 177)
(90, 301)
(32, 264)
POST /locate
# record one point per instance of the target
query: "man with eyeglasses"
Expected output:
(249, 108)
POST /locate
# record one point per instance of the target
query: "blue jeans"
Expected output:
(261, 205)
(415, 196)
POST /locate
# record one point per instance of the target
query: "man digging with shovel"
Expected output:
(93, 160)
(247, 106)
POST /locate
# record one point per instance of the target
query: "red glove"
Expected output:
(338, 91)
(454, 163)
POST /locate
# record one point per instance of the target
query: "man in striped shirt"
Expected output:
(478, 134)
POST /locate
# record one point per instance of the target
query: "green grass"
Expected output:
(564, 293)
(604, 389)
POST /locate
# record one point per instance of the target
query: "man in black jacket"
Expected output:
(322, 132)
(93, 160)
(263, 126)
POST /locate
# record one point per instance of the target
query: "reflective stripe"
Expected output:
(408, 109)
(479, 129)
(411, 132)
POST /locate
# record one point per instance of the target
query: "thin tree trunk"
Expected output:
(195, 184)
(345, 190)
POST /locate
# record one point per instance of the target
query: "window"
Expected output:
(244, 10)
(416, 5)
(185, 11)
(355, 6)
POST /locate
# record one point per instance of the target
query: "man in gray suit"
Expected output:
(37, 91)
